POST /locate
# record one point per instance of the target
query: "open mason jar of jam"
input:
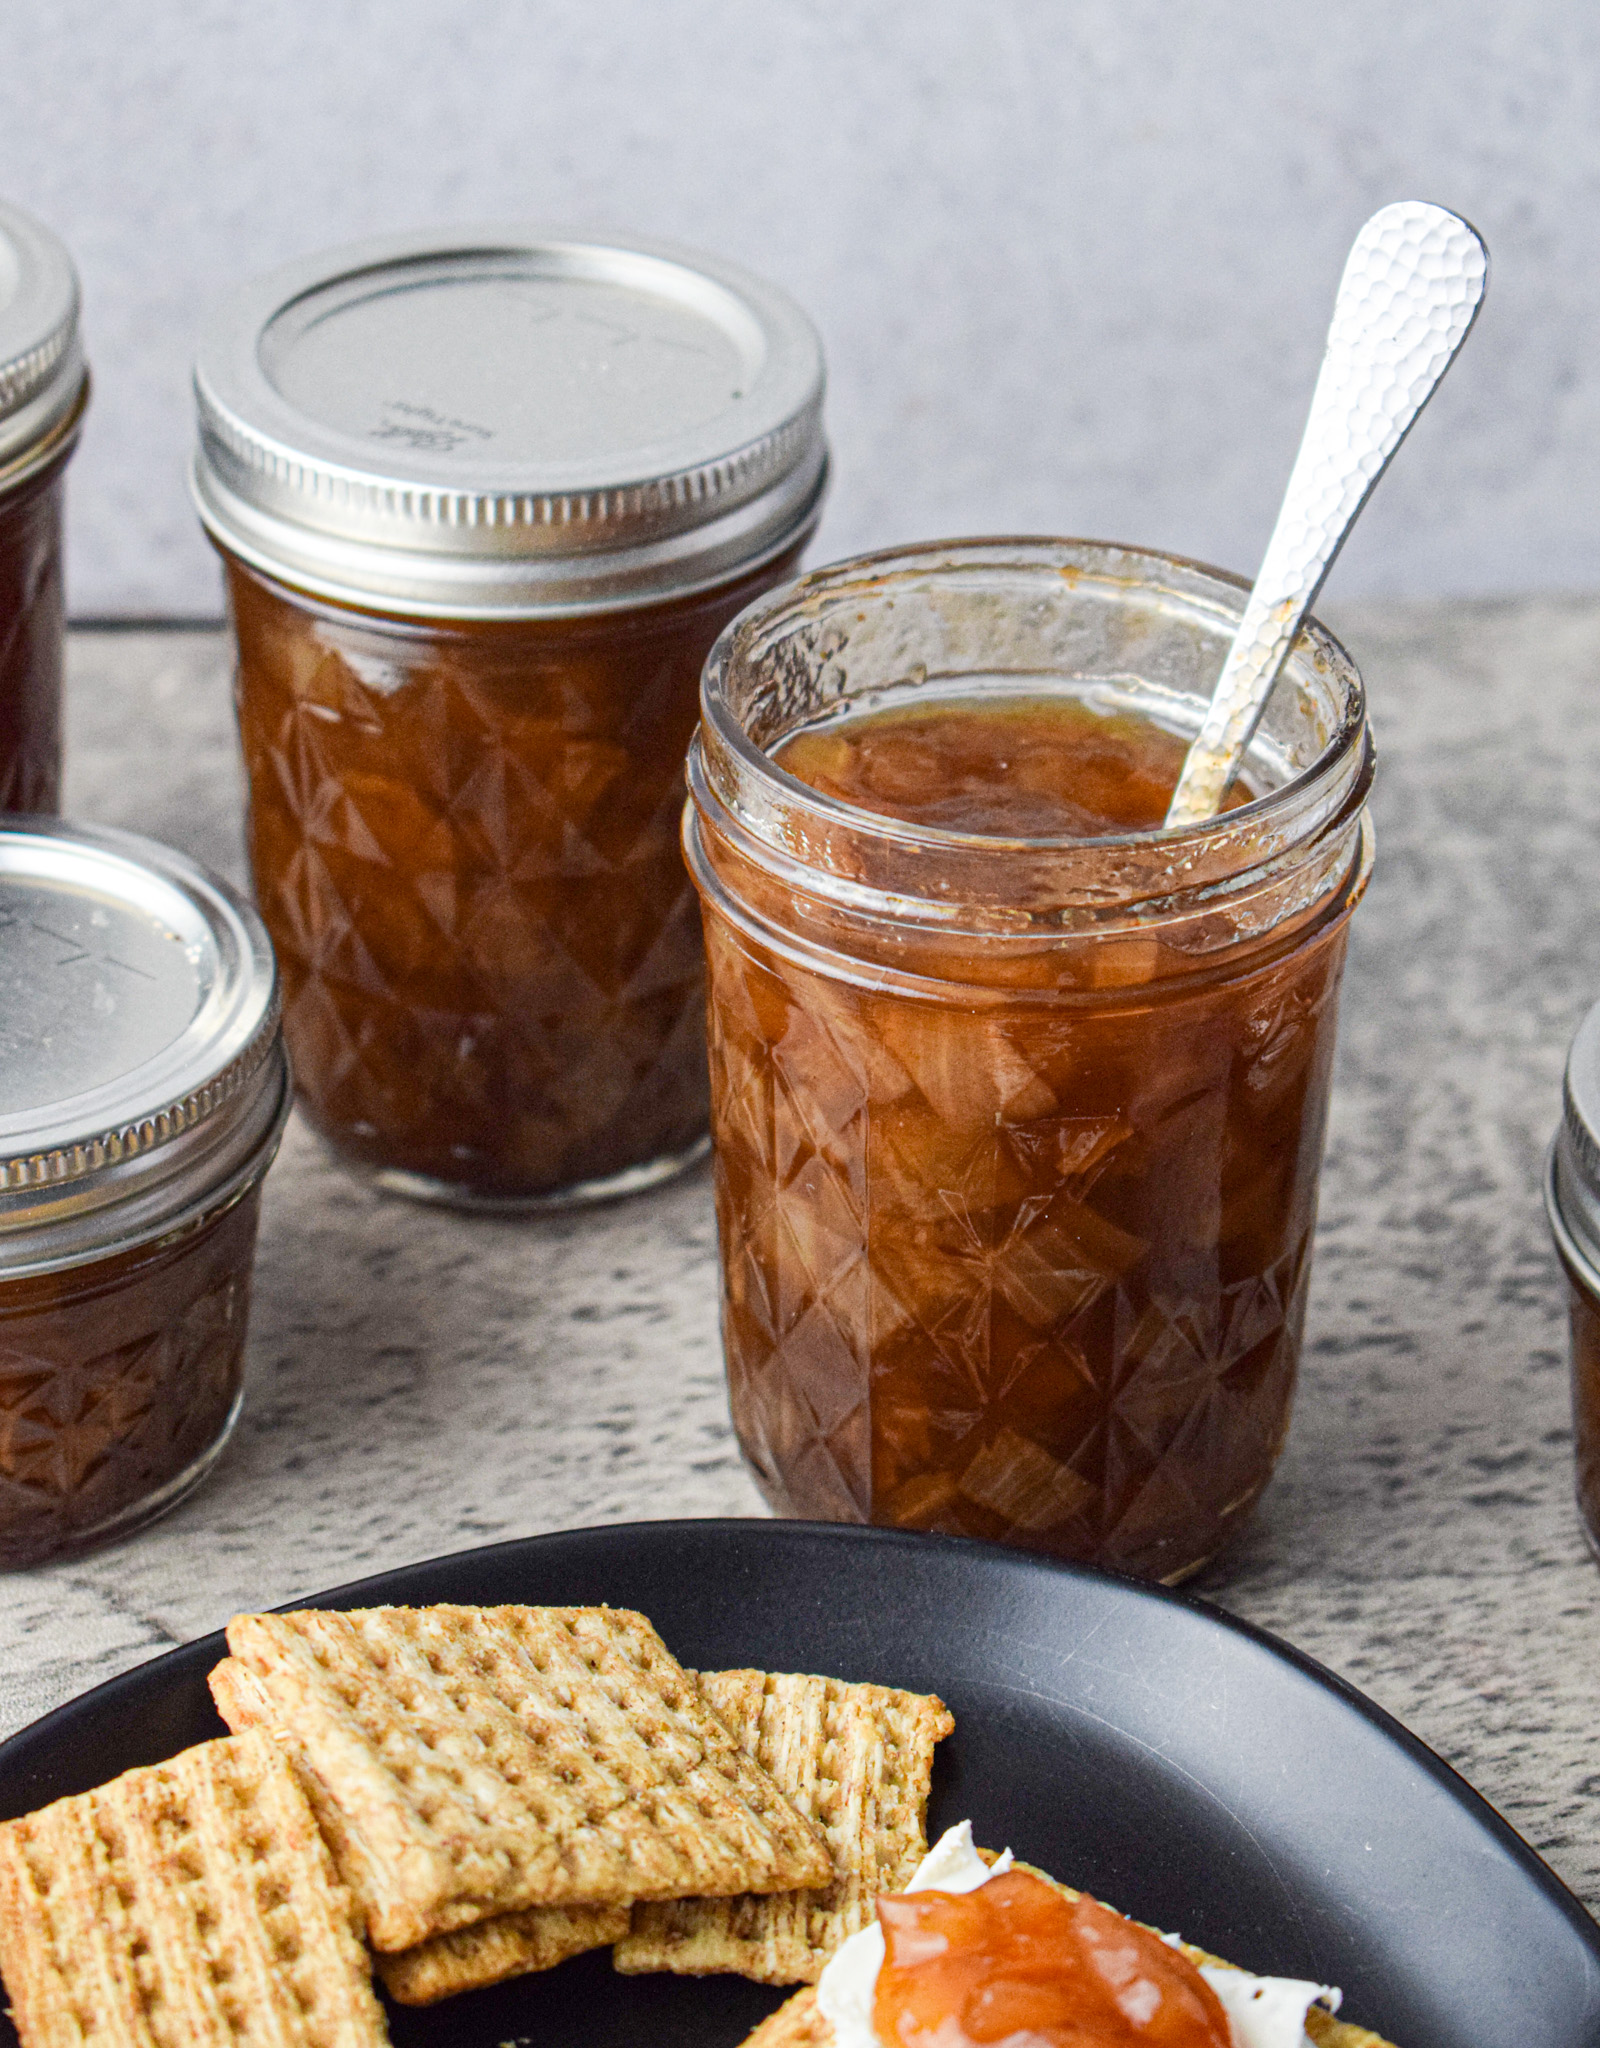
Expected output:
(44, 393)
(143, 1091)
(1572, 1201)
(1018, 1098)
(485, 503)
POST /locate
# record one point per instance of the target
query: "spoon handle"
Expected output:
(1410, 291)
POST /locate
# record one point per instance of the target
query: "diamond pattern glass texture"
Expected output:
(1018, 1100)
(1016, 1269)
(465, 846)
(30, 646)
(119, 1382)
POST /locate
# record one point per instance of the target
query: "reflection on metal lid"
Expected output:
(43, 384)
(140, 1004)
(503, 421)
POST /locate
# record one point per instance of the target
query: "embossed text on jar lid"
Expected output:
(140, 1013)
(1572, 1181)
(43, 383)
(502, 422)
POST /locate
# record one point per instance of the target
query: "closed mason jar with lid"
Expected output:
(485, 501)
(143, 1091)
(44, 392)
(1572, 1201)
(1018, 1131)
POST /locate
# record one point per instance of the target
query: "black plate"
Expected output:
(1182, 1765)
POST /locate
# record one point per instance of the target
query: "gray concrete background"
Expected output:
(421, 1382)
(1072, 259)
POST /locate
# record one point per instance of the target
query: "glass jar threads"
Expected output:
(1572, 1202)
(44, 393)
(143, 1091)
(485, 502)
(1018, 1138)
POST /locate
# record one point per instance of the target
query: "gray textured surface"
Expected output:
(1072, 259)
(422, 1382)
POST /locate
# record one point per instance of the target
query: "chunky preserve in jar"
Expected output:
(143, 1090)
(1018, 1099)
(44, 391)
(484, 506)
(1572, 1200)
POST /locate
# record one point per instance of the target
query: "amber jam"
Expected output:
(30, 644)
(44, 392)
(1572, 1203)
(1010, 767)
(485, 504)
(1017, 1130)
(465, 845)
(119, 1382)
(1016, 1961)
(1585, 1317)
(143, 1091)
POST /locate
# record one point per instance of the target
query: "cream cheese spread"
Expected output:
(1263, 2012)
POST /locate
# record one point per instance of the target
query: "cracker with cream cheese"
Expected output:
(800, 2024)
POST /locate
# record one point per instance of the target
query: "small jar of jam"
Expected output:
(143, 1091)
(44, 392)
(484, 503)
(1572, 1201)
(1017, 1098)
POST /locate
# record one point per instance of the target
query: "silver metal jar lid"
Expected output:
(1572, 1176)
(44, 386)
(140, 1053)
(502, 422)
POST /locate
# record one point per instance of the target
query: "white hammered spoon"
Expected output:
(1410, 291)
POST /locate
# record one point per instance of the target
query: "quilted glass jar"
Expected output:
(44, 392)
(484, 505)
(1017, 1140)
(1572, 1201)
(143, 1091)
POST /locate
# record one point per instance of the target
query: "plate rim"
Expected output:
(354, 1592)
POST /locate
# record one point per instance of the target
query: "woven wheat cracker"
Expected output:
(470, 1958)
(856, 1760)
(509, 1945)
(798, 2023)
(467, 1762)
(188, 1901)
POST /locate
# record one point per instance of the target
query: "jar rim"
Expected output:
(145, 1011)
(784, 822)
(508, 420)
(43, 381)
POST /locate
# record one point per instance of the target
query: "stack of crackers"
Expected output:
(458, 1795)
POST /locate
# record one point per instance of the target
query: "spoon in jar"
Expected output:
(1411, 290)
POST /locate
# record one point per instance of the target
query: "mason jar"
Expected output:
(1017, 1139)
(44, 393)
(1572, 1202)
(143, 1091)
(485, 500)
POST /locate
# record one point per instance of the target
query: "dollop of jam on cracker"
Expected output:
(1017, 1961)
